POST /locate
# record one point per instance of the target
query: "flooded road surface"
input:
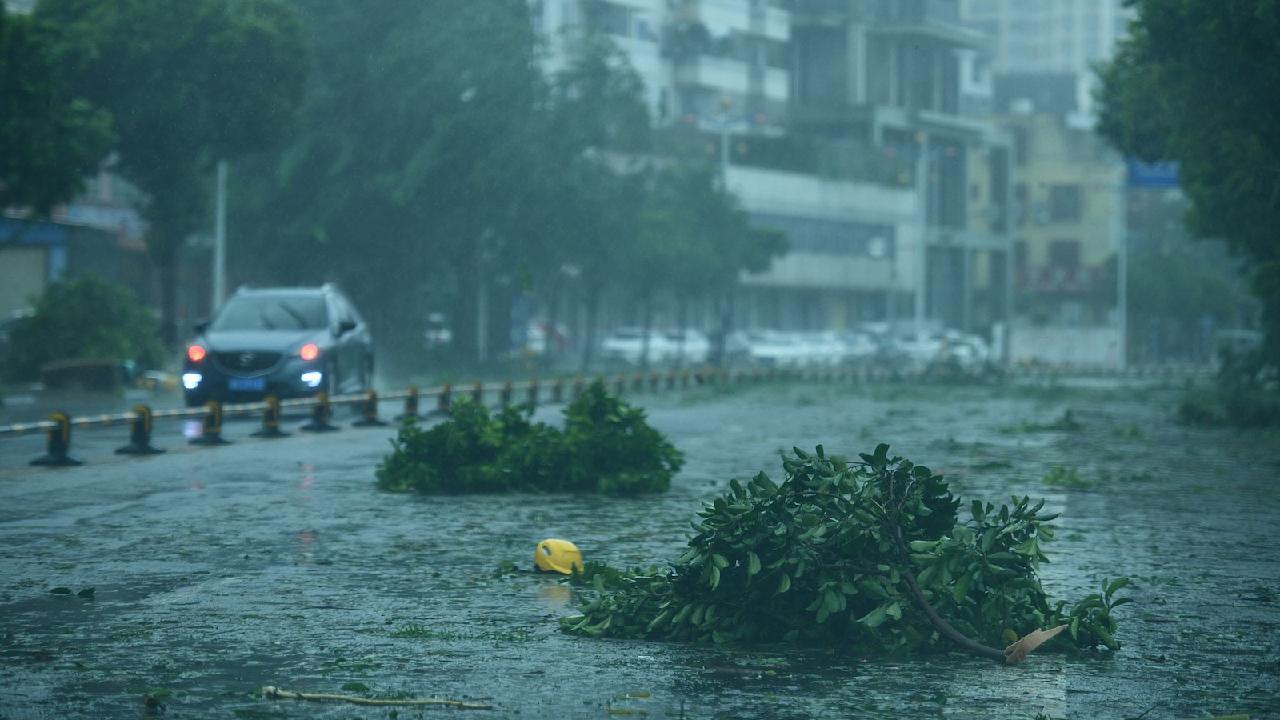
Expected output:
(218, 571)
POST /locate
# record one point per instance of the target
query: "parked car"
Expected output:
(8, 324)
(437, 334)
(666, 347)
(623, 345)
(287, 342)
(694, 349)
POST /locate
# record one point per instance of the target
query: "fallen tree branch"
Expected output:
(1012, 655)
(272, 692)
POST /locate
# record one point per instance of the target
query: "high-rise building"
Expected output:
(1050, 36)
(850, 126)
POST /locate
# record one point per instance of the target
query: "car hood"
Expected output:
(281, 341)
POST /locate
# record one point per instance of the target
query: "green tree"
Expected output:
(83, 318)
(189, 83)
(597, 122)
(49, 138)
(410, 172)
(694, 242)
(1195, 83)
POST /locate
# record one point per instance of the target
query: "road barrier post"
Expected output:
(444, 401)
(477, 393)
(578, 385)
(369, 411)
(504, 395)
(139, 434)
(270, 419)
(320, 415)
(532, 396)
(557, 391)
(654, 379)
(211, 426)
(411, 403)
(59, 443)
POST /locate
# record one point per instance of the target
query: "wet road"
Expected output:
(217, 571)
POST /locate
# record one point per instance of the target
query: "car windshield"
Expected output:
(299, 312)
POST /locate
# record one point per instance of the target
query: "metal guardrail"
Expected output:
(141, 418)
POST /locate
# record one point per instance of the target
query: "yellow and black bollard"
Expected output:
(411, 403)
(59, 443)
(140, 434)
(211, 427)
(369, 411)
(321, 414)
(270, 419)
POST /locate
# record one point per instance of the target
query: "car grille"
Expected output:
(246, 363)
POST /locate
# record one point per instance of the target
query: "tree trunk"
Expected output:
(466, 309)
(682, 323)
(167, 269)
(646, 327)
(550, 336)
(727, 307)
(592, 300)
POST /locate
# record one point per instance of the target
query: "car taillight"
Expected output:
(309, 351)
(195, 353)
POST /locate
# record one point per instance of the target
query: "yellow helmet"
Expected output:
(559, 556)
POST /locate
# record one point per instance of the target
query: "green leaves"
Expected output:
(606, 447)
(815, 560)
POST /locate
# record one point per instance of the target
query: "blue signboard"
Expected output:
(1153, 175)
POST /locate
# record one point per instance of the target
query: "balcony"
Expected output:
(938, 19)
(720, 74)
(722, 17)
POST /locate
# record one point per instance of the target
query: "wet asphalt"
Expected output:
(216, 571)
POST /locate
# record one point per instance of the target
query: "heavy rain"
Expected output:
(640, 358)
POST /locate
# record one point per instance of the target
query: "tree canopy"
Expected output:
(1196, 83)
(50, 138)
(188, 83)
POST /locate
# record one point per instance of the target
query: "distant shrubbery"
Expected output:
(84, 317)
(605, 447)
(1245, 395)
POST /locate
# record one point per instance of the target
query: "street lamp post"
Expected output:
(220, 239)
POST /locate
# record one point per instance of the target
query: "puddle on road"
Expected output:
(302, 576)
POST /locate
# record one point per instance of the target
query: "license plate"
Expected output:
(246, 384)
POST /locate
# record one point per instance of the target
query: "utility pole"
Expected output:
(922, 167)
(220, 240)
(1121, 234)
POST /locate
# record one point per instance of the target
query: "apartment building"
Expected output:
(848, 125)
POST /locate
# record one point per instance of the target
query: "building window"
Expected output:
(1020, 203)
(1021, 146)
(1064, 254)
(1065, 203)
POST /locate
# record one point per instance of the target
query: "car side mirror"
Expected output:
(345, 327)
(201, 327)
